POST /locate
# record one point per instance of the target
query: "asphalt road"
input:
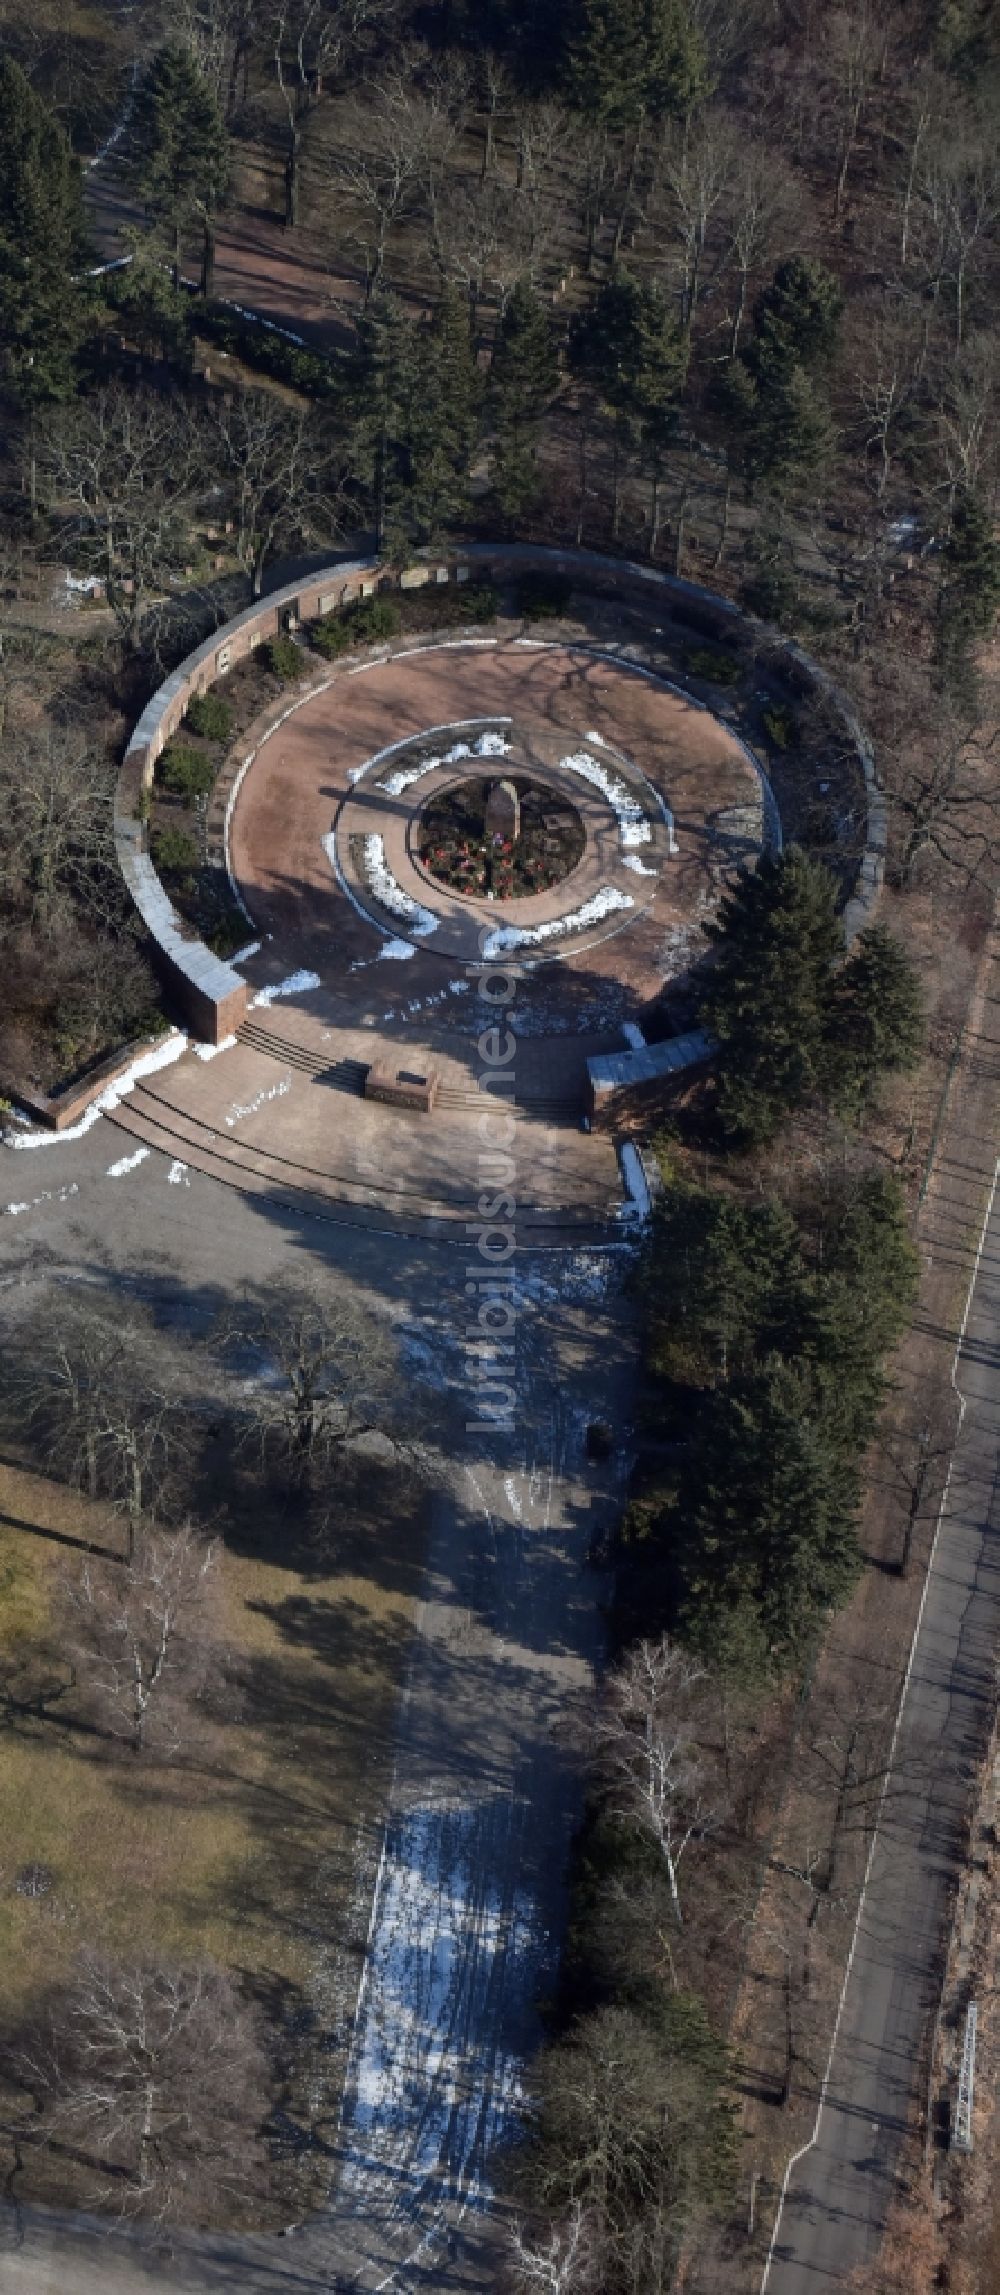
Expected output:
(840, 2190)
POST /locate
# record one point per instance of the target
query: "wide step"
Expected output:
(349, 1076)
(387, 1206)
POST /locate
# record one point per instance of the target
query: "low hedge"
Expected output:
(262, 348)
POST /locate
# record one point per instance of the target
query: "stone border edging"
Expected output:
(212, 996)
(58, 1110)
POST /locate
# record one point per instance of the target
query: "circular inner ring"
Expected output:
(503, 839)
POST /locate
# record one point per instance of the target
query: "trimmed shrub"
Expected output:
(477, 603)
(186, 773)
(210, 716)
(175, 852)
(781, 725)
(374, 618)
(332, 636)
(285, 659)
(713, 668)
(227, 933)
(543, 597)
(364, 623)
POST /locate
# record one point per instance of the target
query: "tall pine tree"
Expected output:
(769, 996)
(443, 422)
(523, 381)
(42, 245)
(178, 151)
(631, 60)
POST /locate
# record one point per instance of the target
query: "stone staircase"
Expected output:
(563, 1107)
(388, 1204)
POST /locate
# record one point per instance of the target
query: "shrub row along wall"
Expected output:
(210, 995)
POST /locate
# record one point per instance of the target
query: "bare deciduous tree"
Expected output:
(646, 1739)
(124, 467)
(762, 214)
(889, 350)
(57, 801)
(557, 2258)
(276, 467)
(312, 42)
(329, 1376)
(697, 173)
(156, 2075)
(145, 1637)
(101, 1394)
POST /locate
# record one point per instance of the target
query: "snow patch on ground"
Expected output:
(297, 984)
(178, 1175)
(633, 1035)
(638, 867)
(48, 1195)
(441, 1942)
(578, 1278)
(394, 952)
(243, 955)
(680, 945)
(388, 893)
(640, 1202)
(161, 1057)
(488, 745)
(127, 1163)
(601, 904)
(211, 1051)
(276, 1092)
(634, 825)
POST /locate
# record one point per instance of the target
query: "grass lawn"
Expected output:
(255, 1845)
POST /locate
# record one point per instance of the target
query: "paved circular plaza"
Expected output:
(325, 834)
(369, 968)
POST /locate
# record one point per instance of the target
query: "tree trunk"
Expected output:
(682, 510)
(724, 532)
(626, 198)
(582, 498)
(291, 215)
(207, 256)
(738, 316)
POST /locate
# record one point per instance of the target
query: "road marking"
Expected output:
(806, 2148)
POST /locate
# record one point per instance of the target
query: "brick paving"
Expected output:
(283, 1108)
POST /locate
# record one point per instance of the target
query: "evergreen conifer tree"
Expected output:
(769, 996)
(765, 1515)
(442, 422)
(772, 398)
(378, 398)
(42, 245)
(877, 1023)
(629, 60)
(970, 594)
(178, 150)
(524, 378)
